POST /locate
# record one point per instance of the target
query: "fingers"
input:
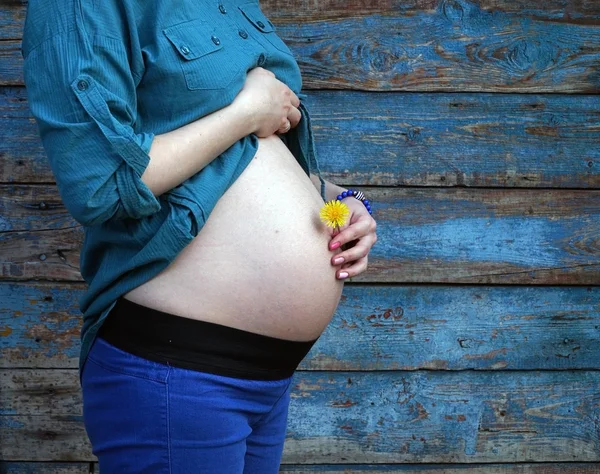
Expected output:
(355, 241)
(291, 121)
(355, 253)
(285, 127)
(353, 269)
(294, 116)
(358, 229)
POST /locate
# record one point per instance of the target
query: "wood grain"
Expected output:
(11, 62)
(33, 207)
(22, 158)
(44, 438)
(374, 328)
(541, 468)
(441, 140)
(364, 417)
(12, 17)
(50, 255)
(46, 468)
(40, 324)
(456, 47)
(446, 45)
(452, 235)
(576, 11)
(40, 392)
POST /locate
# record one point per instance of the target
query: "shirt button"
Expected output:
(215, 39)
(222, 9)
(243, 34)
(185, 50)
(82, 85)
(261, 59)
(260, 23)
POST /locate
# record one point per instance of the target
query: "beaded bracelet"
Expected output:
(358, 195)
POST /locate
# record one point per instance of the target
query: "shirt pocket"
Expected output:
(261, 23)
(209, 59)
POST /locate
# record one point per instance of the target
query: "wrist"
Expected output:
(332, 191)
(358, 195)
(246, 117)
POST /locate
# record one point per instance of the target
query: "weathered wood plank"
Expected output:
(371, 417)
(444, 417)
(12, 18)
(44, 438)
(456, 47)
(459, 328)
(22, 157)
(542, 468)
(45, 468)
(12, 12)
(26, 207)
(485, 236)
(505, 140)
(40, 324)
(491, 140)
(449, 45)
(40, 392)
(509, 236)
(50, 255)
(11, 63)
(391, 327)
(576, 11)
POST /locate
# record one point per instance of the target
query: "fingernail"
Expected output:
(338, 260)
(335, 245)
(343, 275)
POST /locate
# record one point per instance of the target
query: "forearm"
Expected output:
(183, 152)
(331, 190)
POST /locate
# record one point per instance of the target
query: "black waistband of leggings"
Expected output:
(200, 345)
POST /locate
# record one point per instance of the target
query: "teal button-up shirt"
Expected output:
(103, 78)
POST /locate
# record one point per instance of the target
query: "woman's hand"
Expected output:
(359, 235)
(270, 105)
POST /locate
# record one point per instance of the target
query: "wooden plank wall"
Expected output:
(472, 344)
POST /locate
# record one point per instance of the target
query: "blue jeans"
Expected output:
(146, 417)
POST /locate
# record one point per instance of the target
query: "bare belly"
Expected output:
(261, 262)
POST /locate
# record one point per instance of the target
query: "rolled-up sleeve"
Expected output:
(83, 97)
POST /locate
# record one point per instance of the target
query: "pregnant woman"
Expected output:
(178, 140)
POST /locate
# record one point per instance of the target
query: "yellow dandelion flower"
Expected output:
(334, 213)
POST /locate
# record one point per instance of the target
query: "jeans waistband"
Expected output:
(200, 345)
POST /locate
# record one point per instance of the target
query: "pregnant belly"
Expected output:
(261, 261)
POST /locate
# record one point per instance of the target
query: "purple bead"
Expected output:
(344, 194)
(350, 192)
(369, 208)
(339, 198)
(366, 202)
